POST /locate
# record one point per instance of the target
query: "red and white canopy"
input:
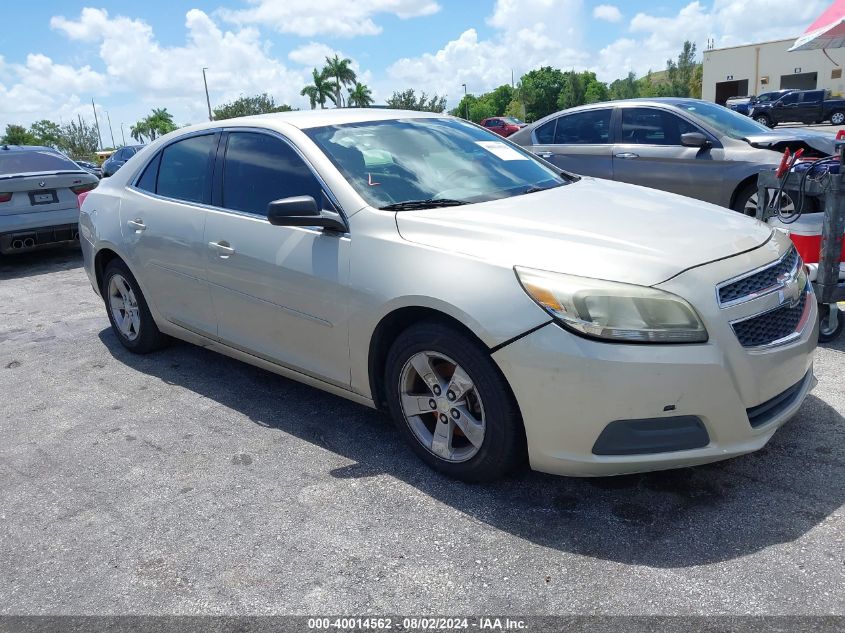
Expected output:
(828, 31)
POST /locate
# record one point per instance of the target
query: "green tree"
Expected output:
(489, 104)
(160, 122)
(407, 100)
(341, 72)
(572, 91)
(79, 140)
(360, 96)
(47, 133)
(318, 91)
(680, 74)
(624, 88)
(140, 131)
(246, 106)
(540, 91)
(18, 135)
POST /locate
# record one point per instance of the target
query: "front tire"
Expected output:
(745, 201)
(452, 405)
(764, 120)
(128, 312)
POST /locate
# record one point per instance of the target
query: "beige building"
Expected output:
(757, 68)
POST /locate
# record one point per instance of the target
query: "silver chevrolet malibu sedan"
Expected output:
(496, 307)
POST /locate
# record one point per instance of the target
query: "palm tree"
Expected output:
(339, 70)
(160, 122)
(360, 96)
(140, 130)
(318, 91)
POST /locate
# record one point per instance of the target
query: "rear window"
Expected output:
(34, 161)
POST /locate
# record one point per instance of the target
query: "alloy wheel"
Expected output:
(787, 206)
(442, 406)
(837, 118)
(124, 307)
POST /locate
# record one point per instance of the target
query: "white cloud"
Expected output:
(607, 12)
(312, 54)
(530, 33)
(344, 18)
(238, 62)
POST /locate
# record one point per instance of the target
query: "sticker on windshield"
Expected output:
(501, 150)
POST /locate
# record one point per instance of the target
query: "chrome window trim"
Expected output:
(133, 184)
(760, 293)
(789, 338)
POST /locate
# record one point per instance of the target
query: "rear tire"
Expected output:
(494, 441)
(128, 312)
(837, 118)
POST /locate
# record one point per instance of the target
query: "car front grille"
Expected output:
(773, 326)
(761, 281)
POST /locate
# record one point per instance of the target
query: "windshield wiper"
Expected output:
(431, 203)
(535, 188)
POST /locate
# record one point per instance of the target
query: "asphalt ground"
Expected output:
(184, 482)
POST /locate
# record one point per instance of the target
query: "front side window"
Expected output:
(185, 170)
(430, 160)
(259, 169)
(584, 128)
(648, 126)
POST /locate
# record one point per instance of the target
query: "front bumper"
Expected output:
(569, 388)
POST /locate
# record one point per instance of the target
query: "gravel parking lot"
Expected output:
(186, 482)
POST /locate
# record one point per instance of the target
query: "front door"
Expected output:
(163, 222)
(648, 152)
(280, 293)
(578, 142)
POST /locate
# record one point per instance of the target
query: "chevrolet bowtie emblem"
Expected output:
(791, 291)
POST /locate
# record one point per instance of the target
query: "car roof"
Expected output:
(28, 148)
(304, 119)
(644, 101)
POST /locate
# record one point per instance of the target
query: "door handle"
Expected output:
(223, 249)
(627, 155)
(137, 224)
(545, 155)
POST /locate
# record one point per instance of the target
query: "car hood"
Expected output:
(779, 140)
(593, 228)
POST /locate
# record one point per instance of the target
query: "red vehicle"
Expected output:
(503, 125)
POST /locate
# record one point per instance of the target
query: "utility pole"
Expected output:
(466, 103)
(110, 130)
(207, 99)
(97, 123)
(122, 134)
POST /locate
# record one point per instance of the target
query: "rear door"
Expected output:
(279, 292)
(163, 217)
(648, 152)
(809, 107)
(785, 109)
(578, 142)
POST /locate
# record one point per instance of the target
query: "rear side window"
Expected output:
(260, 168)
(185, 170)
(584, 128)
(147, 181)
(34, 161)
(792, 97)
(546, 133)
(648, 126)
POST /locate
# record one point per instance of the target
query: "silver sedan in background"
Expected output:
(493, 306)
(686, 146)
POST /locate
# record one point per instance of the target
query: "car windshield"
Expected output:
(430, 162)
(726, 121)
(13, 162)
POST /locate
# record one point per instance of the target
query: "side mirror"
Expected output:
(694, 139)
(303, 211)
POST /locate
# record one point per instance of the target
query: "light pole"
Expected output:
(110, 130)
(207, 100)
(466, 103)
(122, 134)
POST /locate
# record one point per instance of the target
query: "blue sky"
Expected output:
(130, 57)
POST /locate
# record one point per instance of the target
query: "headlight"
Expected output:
(613, 311)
